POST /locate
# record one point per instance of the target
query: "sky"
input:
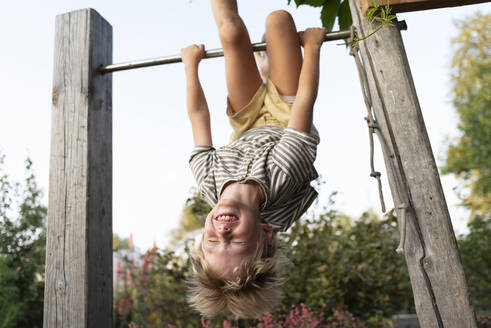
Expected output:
(152, 136)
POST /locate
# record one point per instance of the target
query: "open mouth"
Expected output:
(227, 217)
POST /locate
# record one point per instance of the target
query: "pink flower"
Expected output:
(205, 323)
(124, 305)
(119, 269)
(133, 267)
(130, 242)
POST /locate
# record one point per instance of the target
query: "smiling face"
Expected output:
(231, 235)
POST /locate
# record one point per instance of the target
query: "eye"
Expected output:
(212, 241)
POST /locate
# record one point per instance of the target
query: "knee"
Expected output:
(231, 30)
(279, 19)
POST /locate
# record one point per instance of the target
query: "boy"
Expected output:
(259, 183)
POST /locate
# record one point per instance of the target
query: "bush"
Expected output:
(344, 273)
(484, 321)
(350, 265)
(338, 263)
(475, 250)
(22, 251)
(153, 293)
(296, 316)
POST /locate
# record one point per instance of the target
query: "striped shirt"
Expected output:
(280, 160)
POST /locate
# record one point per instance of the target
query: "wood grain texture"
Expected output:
(78, 290)
(400, 6)
(439, 286)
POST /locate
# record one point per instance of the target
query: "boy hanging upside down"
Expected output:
(260, 182)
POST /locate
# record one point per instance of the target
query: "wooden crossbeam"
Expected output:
(400, 6)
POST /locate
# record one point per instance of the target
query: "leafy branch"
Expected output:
(384, 18)
(340, 9)
(330, 10)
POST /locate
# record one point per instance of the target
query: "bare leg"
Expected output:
(284, 52)
(242, 75)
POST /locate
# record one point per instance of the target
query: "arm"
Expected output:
(308, 83)
(198, 112)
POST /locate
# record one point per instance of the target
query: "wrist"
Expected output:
(312, 47)
(191, 67)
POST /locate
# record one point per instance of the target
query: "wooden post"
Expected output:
(438, 281)
(401, 6)
(78, 291)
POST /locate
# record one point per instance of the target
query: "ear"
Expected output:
(270, 234)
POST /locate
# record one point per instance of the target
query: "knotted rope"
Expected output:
(373, 128)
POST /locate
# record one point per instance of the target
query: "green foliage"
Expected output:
(198, 206)
(354, 266)
(329, 13)
(330, 10)
(344, 15)
(120, 243)
(192, 217)
(469, 156)
(475, 250)
(153, 293)
(22, 250)
(383, 17)
(10, 308)
(337, 263)
(313, 3)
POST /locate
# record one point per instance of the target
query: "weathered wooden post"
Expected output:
(439, 285)
(78, 291)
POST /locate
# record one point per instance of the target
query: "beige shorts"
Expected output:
(266, 107)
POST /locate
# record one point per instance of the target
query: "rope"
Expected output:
(373, 128)
(402, 199)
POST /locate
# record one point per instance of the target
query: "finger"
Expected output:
(201, 50)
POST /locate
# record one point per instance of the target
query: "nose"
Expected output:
(223, 229)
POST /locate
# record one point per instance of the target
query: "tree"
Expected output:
(475, 249)
(9, 292)
(192, 218)
(120, 243)
(469, 156)
(22, 250)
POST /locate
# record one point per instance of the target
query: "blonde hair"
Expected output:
(253, 289)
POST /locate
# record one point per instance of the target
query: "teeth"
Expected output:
(226, 218)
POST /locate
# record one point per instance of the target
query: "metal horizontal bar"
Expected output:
(260, 46)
